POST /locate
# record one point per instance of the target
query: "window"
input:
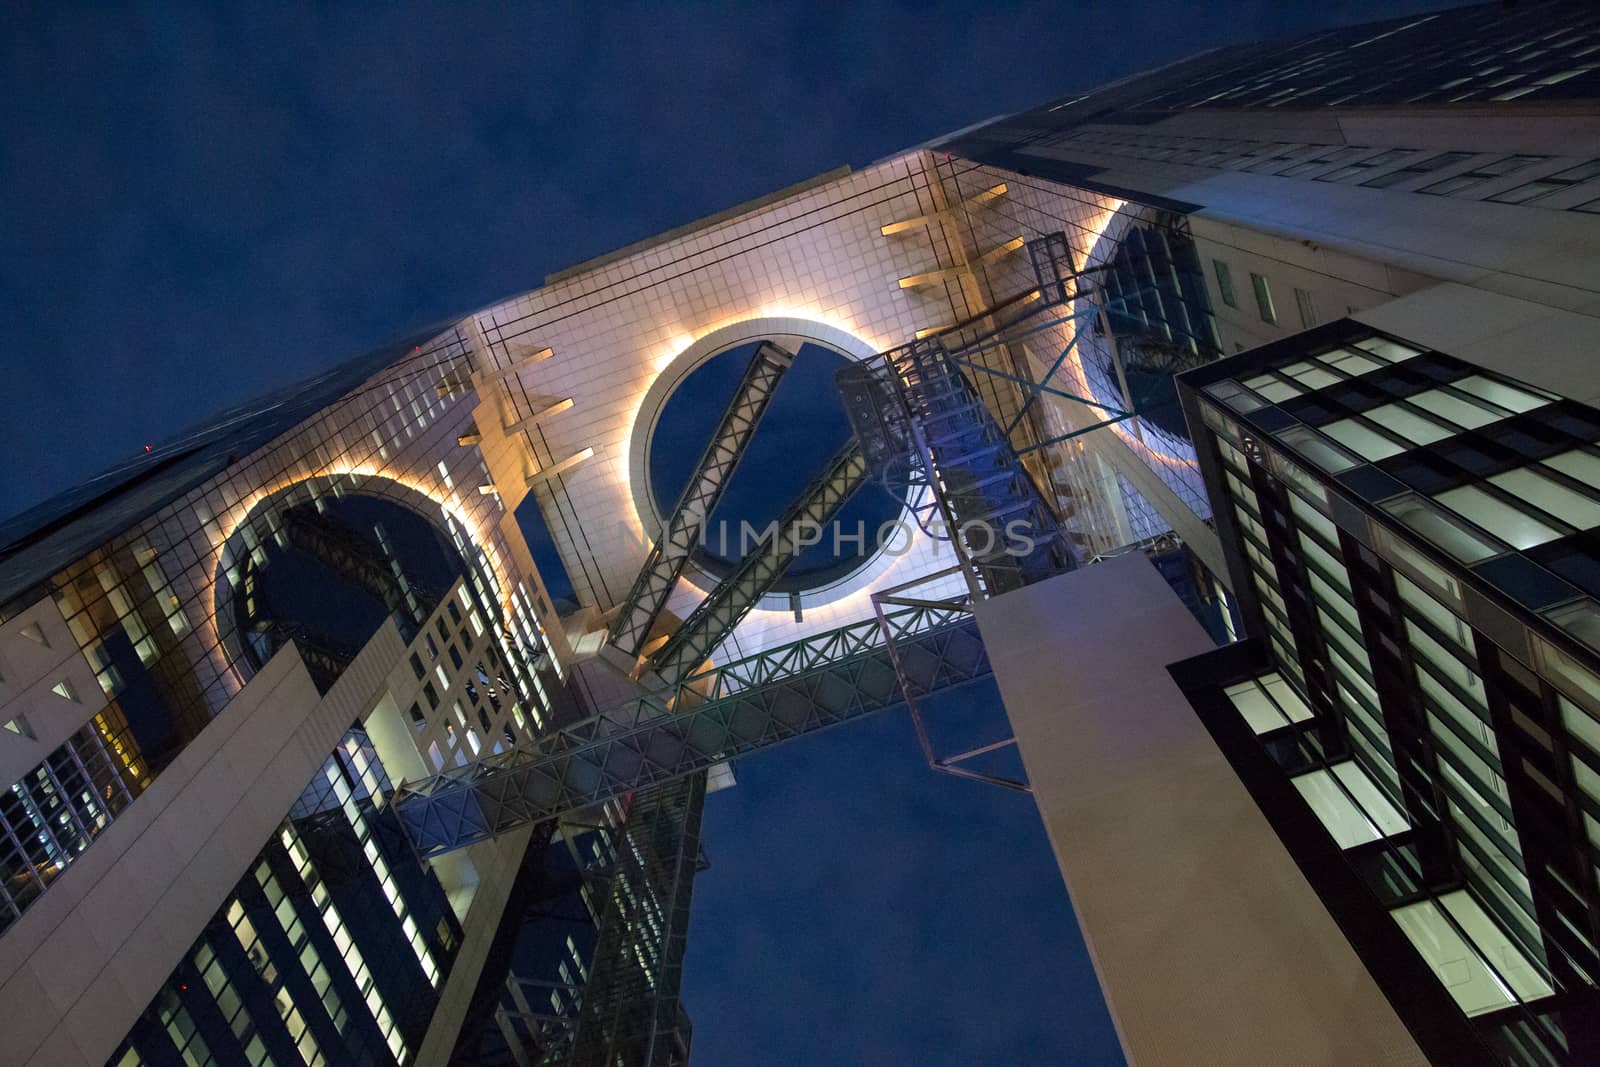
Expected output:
(1225, 283)
(1550, 496)
(1362, 439)
(1349, 804)
(1578, 465)
(1509, 397)
(1280, 154)
(1442, 530)
(1405, 423)
(1268, 703)
(1361, 167)
(1550, 183)
(1236, 398)
(1311, 375)
(1500, 518)
(1383, 348)
(1338, 155)
(1272, 388)
(1454, 409)
(1477, 176)
(1308, 313)
(1462, 962)
(1268, 313)
(1322, 453)
(1421, 166)
(1349, 362)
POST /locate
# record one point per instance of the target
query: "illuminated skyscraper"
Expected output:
(373, 722)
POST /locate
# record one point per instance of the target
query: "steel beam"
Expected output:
(682, 529)
(713, 716)
(710, 624)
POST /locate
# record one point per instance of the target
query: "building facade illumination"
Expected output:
(1294, 339)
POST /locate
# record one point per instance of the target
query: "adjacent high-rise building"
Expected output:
(1235, 418)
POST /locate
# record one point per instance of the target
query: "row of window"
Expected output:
(1476, 53)
(1359, 799)
(266, 979)
(1452, 691)
(54, 812)
(1512, 482)
(1261, 289)
(479, 688)
(1362, 165)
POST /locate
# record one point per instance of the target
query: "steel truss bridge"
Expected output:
(922, 430)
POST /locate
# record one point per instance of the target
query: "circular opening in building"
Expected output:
(803, 427)
(340, 569)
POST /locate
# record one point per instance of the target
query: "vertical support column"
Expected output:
(630, 1012)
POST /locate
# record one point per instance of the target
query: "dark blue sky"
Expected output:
(803, 426)
(204, 201)
(201, 203)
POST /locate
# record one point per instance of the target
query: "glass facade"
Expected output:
(57, 809)
(161, 596)
(332, 949)
(1413, 538)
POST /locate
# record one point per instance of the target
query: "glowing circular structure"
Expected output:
(818, 578)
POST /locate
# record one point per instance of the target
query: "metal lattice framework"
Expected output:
(980, 484)
(722, 713)
(711, 623)
(656, 748)
(630, 1012)
(681, 531)
(927, 431)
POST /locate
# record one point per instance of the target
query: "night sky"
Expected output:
(202, 205)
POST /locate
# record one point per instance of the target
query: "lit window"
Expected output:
(1500, 518)
(1507, 396)
(1460, 962)
(1363, 440)
(1550, 496)
(1310, 375)
(1273, 388)
(1268, 703)
(1322, 453)
(1349, 804)
(1348, 362)
(1582, 466)
(1441, 530)
(1383, 348)
(1455, 409)
(1408, 424)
